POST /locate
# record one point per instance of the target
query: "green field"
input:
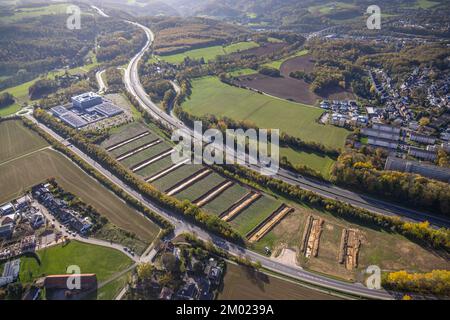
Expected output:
(112, 289)
(248, 219)
(156, 167)
(23, 13)
(197, 190)
(208, 53)
(226, 199)
(16, 140)
(29, 170)
(176, 176)
(211, 96)
(9, 110)
(329, 8)
(277, 63)
(241, 283)
(134, 144)
(102, 261)
(146, 154)
(425, 4)
(315, 161)
(242, 72)
(20, 92)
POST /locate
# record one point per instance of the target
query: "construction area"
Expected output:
(311, 236)
(349, 248)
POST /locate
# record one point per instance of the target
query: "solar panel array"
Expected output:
(73, 120)
(108, 109)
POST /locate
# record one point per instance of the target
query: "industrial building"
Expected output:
(426, 170)
(86, 108)
(422, 154)
(86, 100)
(422, 138)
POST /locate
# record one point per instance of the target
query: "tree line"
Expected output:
(363, 172)
(186, 208)
(419, 232)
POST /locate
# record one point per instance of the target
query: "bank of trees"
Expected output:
(362, 172)
(186, 208)
(436, 282)
(6, 99)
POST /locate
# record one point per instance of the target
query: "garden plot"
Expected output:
(251, 217)
(213, 193)
(199, 189)
(222, 203)
(311, 236)
(166, 170)
(145, 155)
(155, 167)
(137, 150)
(269, 223)
(189, 181)
(127, 141)
(123, 134)
(176, 176)
(239, 206)
(349, 249)
(133, 145)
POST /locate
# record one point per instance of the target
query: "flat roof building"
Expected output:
(86, 100)
(385, 127)
(73, 120)
(59, 111)
(422, 154)
(422, 138)
(410, 166)
(380, 134)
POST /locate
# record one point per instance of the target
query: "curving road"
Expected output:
(328, 190)
(134, 86)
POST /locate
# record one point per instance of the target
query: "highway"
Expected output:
(328, 190)
(182, 226)
(134, 86)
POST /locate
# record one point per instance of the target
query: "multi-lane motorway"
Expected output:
(134, 86)
(328, 190)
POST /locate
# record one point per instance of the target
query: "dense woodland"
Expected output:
(44, 43)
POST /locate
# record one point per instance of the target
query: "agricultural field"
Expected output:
(176, 176)
(104, 262)
(226, 199)
(241, 283)
(208, 53)
(249, 218)
(26, 171)
(211, 96)
(278, 63)
(318, 162)
(197, 190)
(146, 154)
(16, 140)
(269, 48)
(289, 88)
